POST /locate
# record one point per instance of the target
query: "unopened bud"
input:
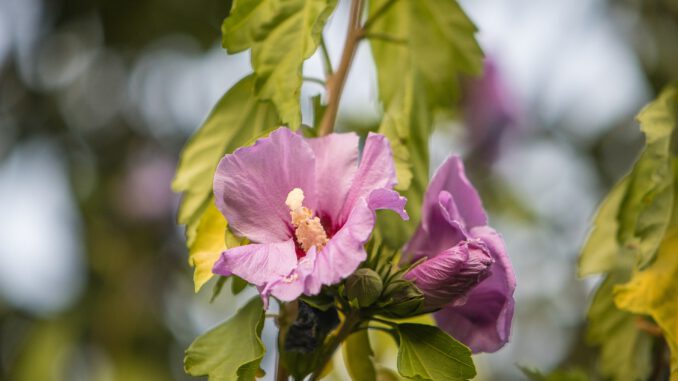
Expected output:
(365, 286)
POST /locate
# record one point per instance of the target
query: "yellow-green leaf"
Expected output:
(232, 350)
(237, 119)
(625, 350)
(358, 355)
(282, 35)
(208, 244)
(601, 250)
(440, 44)
(646, 209)
(653, 291)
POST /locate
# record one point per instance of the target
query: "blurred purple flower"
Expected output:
(489, 112)
(306, 205)
(467, 272)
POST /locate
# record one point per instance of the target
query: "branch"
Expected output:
(336, 82)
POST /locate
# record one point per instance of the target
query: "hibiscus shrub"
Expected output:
(292, 210)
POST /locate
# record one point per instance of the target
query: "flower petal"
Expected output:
(344, 251)
(450, 177)
(440, 233)
(448, 277)
(376, 171)
(336, 165)
(252, 184)
(259, 264)
(388, 199)
(484, 322)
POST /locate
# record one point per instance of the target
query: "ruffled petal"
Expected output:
(292, 286)
(484, 322)
(344, 252)
(440, 233)
(388, 199)
(251, 185)
(336, 165)
(450, 177)
(376, 171)
(259, 264)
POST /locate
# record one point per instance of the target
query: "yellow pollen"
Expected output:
(309, 231)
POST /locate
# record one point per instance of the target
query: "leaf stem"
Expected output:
(327, 62)
(335, 82)
(348, 327)
(315, 80)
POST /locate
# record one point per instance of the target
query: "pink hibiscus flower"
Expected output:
(307, 206)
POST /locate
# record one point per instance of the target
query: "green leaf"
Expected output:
(625, 350)
(440, 46)
(237, 119)
(428, 353)
(571, 375)
(646, 209)
(414, 79)
(231, 351)
(654, 292)
(407, 124)
(282, 35)
(600, 252)
(358, 357)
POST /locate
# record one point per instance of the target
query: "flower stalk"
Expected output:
(337, 80)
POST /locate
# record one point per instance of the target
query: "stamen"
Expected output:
(309, 231)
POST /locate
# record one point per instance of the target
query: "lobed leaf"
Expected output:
(282, 35)
(653, 291)
(571, 375)
(207, 246)
(414, 79)
(601, 250)
(625, 350)
(645, 211)
(232, 350)
(238, 118)
(428, 353)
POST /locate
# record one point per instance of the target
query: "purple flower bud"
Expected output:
(447, 278)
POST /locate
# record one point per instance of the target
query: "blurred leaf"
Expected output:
(646, 208)
(414, 79)
(208, 245)
(237, 119)
(626, 351)
(428, 353)
(601, 249)
(231, 351)
(440, 45)
(358, 357)
(282, 35)
(407, 124)
(571, 375)
(384, 374)
(653, 291)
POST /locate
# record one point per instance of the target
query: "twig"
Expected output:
(335, 82)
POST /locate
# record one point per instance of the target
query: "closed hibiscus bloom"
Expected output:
(307, 205)
(467, 274)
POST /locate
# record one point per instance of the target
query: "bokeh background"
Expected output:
(97, 98)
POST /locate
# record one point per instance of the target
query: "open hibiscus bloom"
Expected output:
(306, 205)
(467, 275)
